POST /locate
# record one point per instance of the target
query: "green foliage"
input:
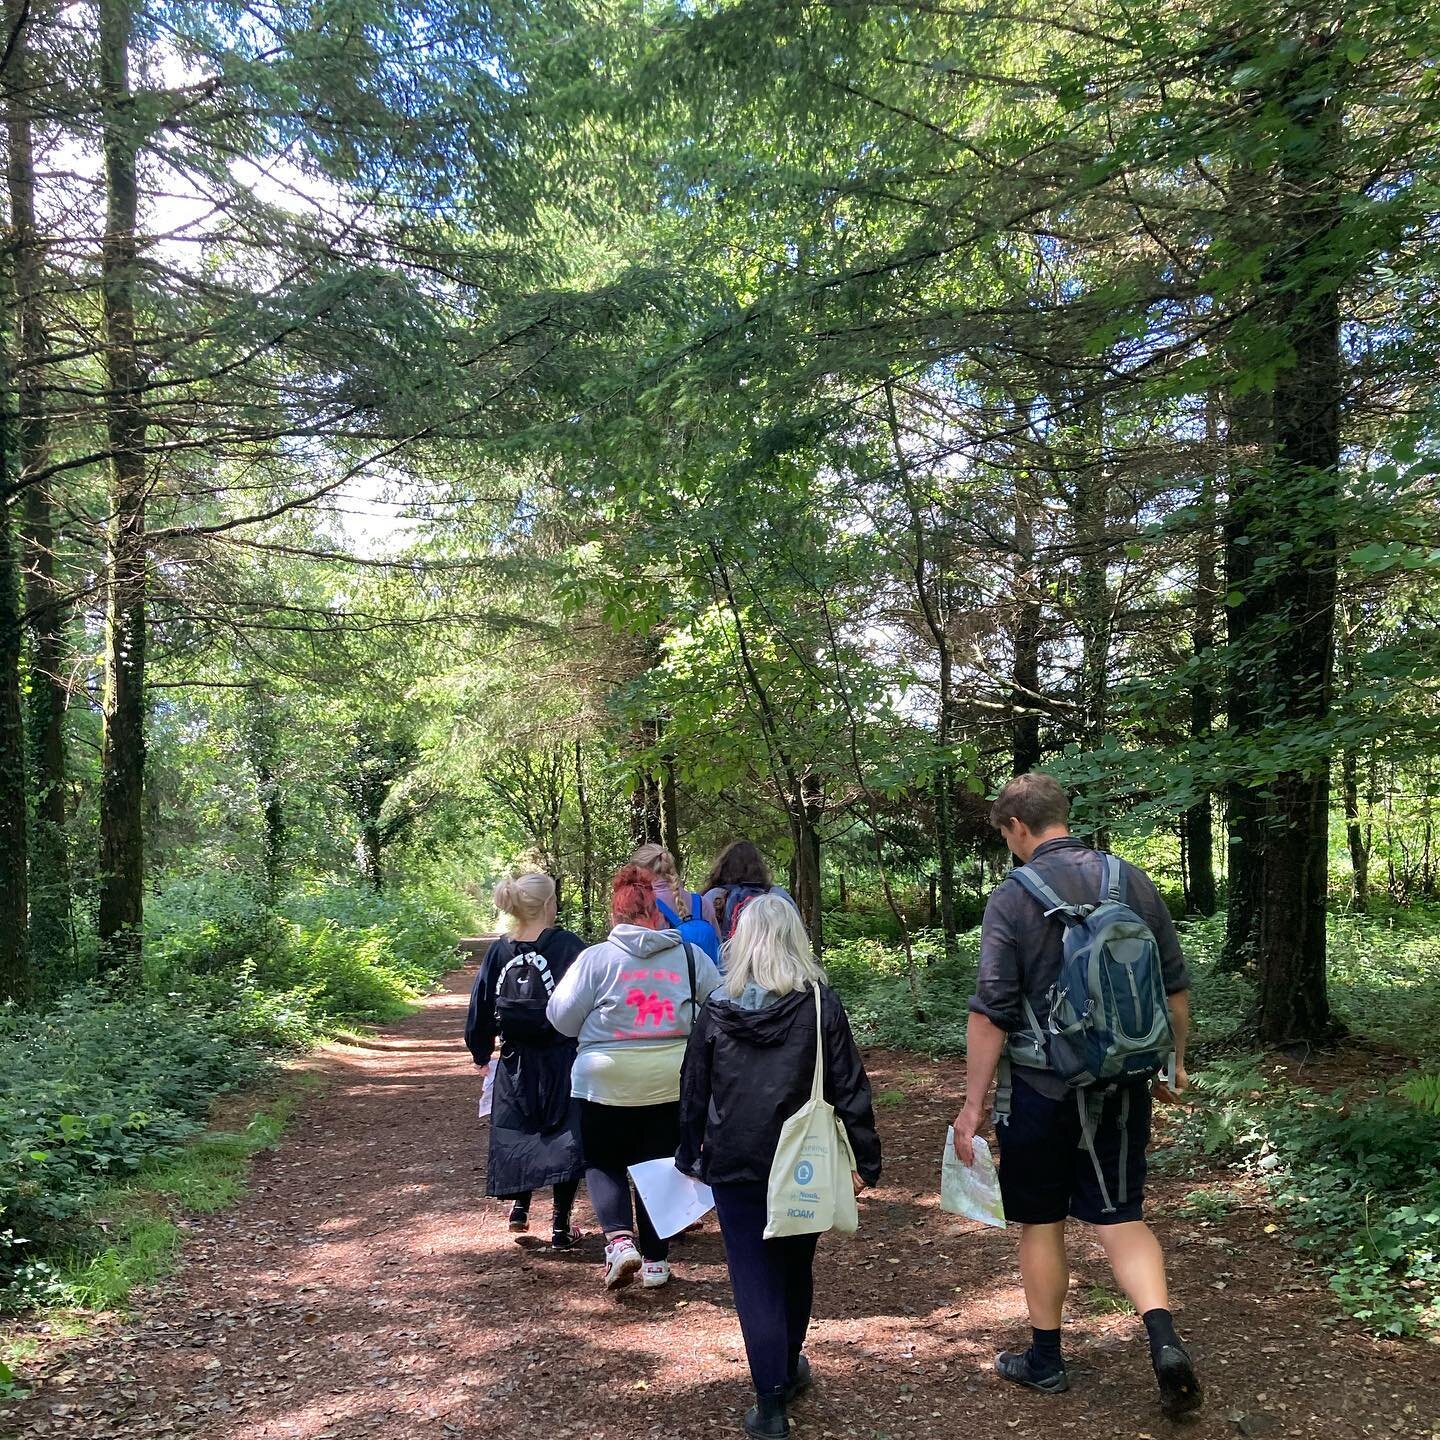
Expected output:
(1206, 1205)
(1381, 979)
(922, 1007)
(105, 1085)
(90, 1091)
(1422, 1091)
(137, 1241)
(1358, 1181)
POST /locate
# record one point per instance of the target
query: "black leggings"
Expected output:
(773, 1281)
(614, 1137)
(565, 1194)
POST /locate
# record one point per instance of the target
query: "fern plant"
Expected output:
(1422, 1091)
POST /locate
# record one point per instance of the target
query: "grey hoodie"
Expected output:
(627, 999)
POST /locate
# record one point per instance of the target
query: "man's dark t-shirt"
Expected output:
(1021, 949)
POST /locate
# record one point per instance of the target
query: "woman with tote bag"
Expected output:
(749, 1094)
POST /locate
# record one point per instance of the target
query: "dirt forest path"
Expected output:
(364, 1288)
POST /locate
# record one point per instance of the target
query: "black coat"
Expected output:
(747, 1072)
(534, 1123)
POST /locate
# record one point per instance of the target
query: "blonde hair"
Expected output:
(523, 898)
(661, 864)
(771, 948)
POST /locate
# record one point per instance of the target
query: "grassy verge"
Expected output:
(130, 1234)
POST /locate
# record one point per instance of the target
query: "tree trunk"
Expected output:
(372, 863)
(122, 759)
(1093, 544)
(1355, 833)
(1292, 603)
(645, 811)
(1355, 838)
(1025, 687)
(15, 972)
(804, 830)
(669, 810)
(587, 844)
(1197, 823)
(1250, 436)
(930, 596)
(51, 930)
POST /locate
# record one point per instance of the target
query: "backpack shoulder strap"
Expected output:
(673, 916)
(1049, 901)
(690, 966)
(1112, 879)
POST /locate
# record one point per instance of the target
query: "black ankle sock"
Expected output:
(1160, 1327)
(1045, 1350)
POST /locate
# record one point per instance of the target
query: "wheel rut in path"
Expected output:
(365, 1288)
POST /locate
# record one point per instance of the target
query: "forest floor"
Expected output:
(365, 1288)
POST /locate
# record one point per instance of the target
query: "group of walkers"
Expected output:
(692, 1032)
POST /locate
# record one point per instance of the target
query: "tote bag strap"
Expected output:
(817, 1088)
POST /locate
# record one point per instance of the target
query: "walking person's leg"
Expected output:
(1138, 1264)
(1037, 1144)
(520, 1211)
(602, 1134)
(757, 1276)
(562, 1230)
(656, 1134)
(1122, 1135)
(797, 1257)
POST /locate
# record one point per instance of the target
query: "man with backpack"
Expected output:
(1080, 1006)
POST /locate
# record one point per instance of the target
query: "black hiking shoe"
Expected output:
(1017, 1367)
(564, 1235)
(765, 1419)
(799, 1382)
(519, 1219)
(1180, 1390)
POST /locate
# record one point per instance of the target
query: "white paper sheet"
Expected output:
(970, 1190)
(673, 1200)
(487, 1092)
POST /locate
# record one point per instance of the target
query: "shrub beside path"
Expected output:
(365, 1288)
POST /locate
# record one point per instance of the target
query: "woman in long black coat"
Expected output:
(749, 1066)
(534, 1131)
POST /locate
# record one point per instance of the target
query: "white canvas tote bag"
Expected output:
(810, 1186)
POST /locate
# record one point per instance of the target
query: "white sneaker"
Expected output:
(654, 1274)
(622, 1264)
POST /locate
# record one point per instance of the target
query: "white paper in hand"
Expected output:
(970, 1190)
(487, 1093)
(674, 1201)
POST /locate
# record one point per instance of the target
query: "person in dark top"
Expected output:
(749, 1067)
(737, 877)
(534, 1134)
(1046, 1173)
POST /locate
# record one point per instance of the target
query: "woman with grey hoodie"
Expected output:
(631, 1001)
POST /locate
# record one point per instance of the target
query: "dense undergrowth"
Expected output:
(1356, 1175)
(101, 1088)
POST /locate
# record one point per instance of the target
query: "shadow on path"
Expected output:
(365, 1287)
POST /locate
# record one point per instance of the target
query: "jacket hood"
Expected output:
(768, 1026)
(643, 943)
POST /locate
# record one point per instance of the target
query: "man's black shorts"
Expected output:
(1047, 1174)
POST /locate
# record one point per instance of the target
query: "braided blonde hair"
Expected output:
(661, 864)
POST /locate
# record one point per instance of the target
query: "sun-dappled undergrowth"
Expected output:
(103, 1094)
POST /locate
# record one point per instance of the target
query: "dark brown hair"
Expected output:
(1036, 799)
(739, 863)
